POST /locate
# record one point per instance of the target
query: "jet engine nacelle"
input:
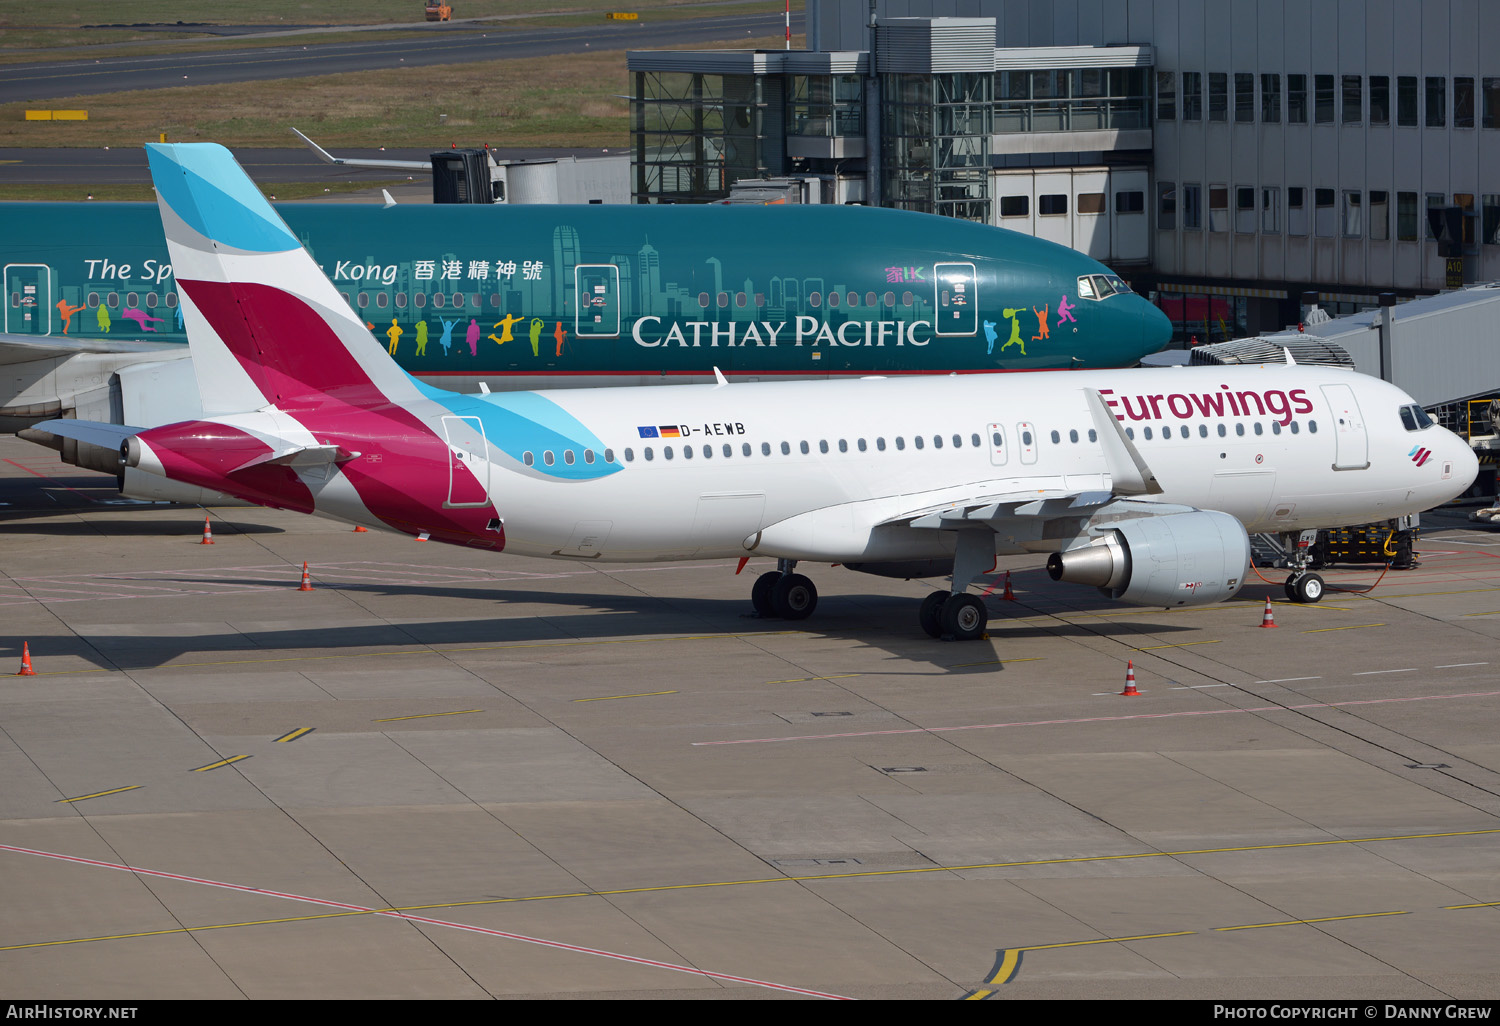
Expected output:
(1175, 559)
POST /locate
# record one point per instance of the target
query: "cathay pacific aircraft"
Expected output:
(1142, 482)
(524, 297)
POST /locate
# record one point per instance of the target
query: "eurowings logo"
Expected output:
(1419, 454)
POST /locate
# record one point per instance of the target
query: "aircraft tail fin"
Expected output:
(265, 325)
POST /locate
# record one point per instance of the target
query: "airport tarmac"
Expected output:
(448, 774)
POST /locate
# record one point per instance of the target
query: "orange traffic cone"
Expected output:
(360, 529)
(25, 670)
(208, 533)
(306, 580)
(1009, 595)
(1130, 691)
(1266, 619)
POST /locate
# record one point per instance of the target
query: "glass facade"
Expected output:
(694, 135)
(825, 105)
(935, 151)
(1079, 100)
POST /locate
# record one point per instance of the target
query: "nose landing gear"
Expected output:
(1302, 585)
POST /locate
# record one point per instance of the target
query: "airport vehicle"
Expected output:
(438, 11)
(1142, 482)
(557, 296)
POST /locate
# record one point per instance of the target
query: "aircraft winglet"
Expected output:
(1127, 470)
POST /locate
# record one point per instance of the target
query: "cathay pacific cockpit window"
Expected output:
(1414, 418)
(1101, 286)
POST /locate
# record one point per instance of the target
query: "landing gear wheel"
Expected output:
(1305, 588)
(930, 616)
(794, 597)
(760, 594)
(964, 617)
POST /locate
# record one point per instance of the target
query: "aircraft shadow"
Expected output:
(38, 524)
(884, 623)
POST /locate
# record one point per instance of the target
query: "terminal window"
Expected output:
(1491, 98)
(1380, 99)
(1270, 99)
(1380, 215)
(1406, 101)
(1192, 96)
(1354, 98)
(1296, 210)
(1406, 216)
(1437, 102)
(1015, 206)
(1244, 97)
(1463, 103)
(1166, 206)
(1296, 99)
(1218, 96)
(1166, 96)
(1323, 99)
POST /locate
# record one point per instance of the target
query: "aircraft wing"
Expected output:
(106, 436)
(993, 511)
(25, 348)
(394, 165)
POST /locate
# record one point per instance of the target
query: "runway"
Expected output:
(444, 774)
(32, 82)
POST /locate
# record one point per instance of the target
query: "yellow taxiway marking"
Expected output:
(1303, 922)
(611, 698)
(99, 794)
(1493, 612)
(803, 680)
(1005, 967)
(1351, 627)
(423, 716)
(1185, 644)
(1481, 904)
(1106, 940)
(295, 734)
(221, 762)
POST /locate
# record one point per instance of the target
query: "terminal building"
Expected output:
(1225, 157)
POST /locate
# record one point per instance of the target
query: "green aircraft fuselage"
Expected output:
(535, 295)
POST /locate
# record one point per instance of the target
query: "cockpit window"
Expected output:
(1101, 286)
(1414, 418)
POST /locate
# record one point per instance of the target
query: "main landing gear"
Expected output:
(1302, 585)
(961, 617)
(784, 594)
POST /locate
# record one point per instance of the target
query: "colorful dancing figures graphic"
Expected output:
(1013, 312)
(394, 333)
(67, 313)
(139, 316)
(1065, 311)
(1041, 319)
(472, 337)
(421, 338)
(989, 337)
(536, 335)
(447, 340)
(505, 324)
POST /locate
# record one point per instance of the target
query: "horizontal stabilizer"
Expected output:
(300, 456)
(25, 348)
(106, 436)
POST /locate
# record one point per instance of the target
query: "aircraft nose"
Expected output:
(1156, 328)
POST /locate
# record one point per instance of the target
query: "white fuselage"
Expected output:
(809, 469)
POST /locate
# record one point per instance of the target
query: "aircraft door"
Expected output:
(28, 299)
(956, 300)
(597, 287)
(1026, 440)
(999, 455)
(1352, 444)
(468, 462)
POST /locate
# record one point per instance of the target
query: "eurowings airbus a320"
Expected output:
(1142, 482)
